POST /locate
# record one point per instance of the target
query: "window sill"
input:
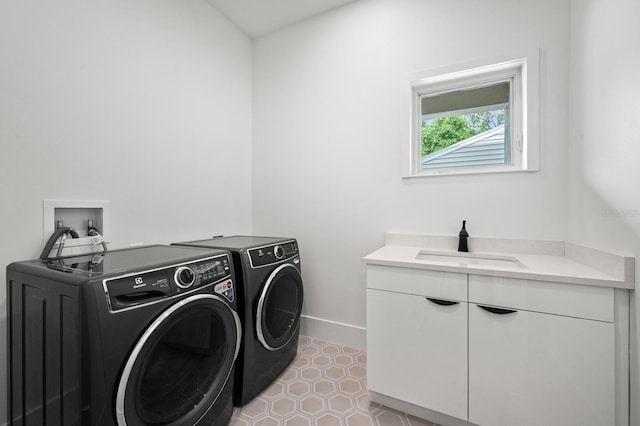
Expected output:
(468, 171)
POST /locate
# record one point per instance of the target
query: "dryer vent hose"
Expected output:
(54, 237)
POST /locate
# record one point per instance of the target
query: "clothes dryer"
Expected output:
(270, 297)
(142, 336)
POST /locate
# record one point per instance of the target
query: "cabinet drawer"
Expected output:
(445, 285)
(572, 300)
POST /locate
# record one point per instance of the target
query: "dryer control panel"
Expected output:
(263, 256)
(134, 290)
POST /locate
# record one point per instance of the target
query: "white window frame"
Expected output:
(523, 73)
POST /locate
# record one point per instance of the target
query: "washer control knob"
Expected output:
(279, 252)
(185, 277)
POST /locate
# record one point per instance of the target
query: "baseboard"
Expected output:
(340, 333)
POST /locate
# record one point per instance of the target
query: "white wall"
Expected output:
(145, 103)
(131, 101)
(330, 99)
(604, 199)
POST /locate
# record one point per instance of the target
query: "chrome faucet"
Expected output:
(463, 235)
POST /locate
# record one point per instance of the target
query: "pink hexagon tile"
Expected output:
(325, 385)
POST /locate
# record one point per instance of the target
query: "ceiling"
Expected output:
(259, 17)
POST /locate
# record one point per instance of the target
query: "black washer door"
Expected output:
(178, 368)
(279, 307)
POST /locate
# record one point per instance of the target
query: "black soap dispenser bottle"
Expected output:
(462, 243)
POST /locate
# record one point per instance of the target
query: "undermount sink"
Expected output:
(459, 258)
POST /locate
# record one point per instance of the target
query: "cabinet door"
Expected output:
(528, 368)
(417, 351)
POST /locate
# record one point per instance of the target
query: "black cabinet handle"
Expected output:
(498, 311)
(441, 302)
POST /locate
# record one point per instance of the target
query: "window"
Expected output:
(475, 120)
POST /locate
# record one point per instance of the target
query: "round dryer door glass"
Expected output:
(279, 307)
(180, 365)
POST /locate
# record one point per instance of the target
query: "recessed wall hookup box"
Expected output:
(76, 214)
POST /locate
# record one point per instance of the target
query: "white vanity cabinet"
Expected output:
(417, 337)
(540, 353)
(493, 351)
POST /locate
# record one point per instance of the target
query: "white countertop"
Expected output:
(554, 262)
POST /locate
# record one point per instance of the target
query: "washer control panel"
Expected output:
(201, 273)
(263, 256)
(141, 288)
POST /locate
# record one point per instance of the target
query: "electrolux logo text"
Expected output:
(138, 282)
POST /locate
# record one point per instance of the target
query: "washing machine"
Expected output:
(140, 336)
(270, 293)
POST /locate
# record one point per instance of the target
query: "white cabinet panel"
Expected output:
(532, 369)
(417, 351)
(556, 298)
(445, 285)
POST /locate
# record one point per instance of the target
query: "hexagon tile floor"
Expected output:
(325, 385)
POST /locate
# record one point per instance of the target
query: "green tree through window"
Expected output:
(442, 132)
